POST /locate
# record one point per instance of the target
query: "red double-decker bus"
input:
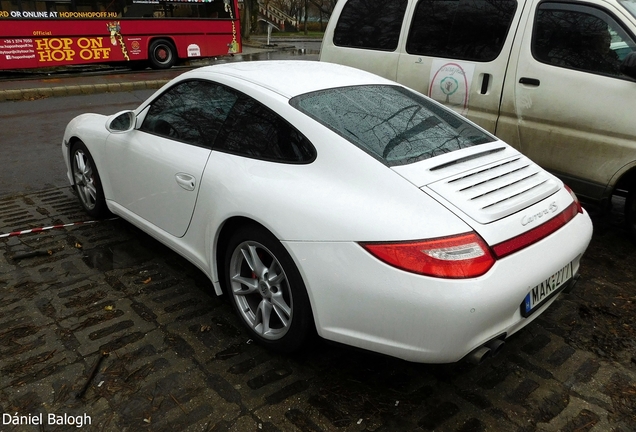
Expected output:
(48, 33)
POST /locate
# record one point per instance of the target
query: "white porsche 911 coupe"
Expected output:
(322, 197)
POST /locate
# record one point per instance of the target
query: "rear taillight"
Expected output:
(575, 198)
(456, 257)
(465, 255)
(534, 235)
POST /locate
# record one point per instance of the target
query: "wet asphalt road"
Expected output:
(32, 156)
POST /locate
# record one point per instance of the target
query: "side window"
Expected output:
(255, 131)
(370, 24)
(191, 111)
(460, 29)
(580, 37)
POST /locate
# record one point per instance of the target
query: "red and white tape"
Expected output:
(36, 230)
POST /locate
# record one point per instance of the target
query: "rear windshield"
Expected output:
(393, 124)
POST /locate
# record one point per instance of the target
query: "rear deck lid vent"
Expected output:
(499, 189)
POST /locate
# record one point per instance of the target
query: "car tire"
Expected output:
(267, 290)
(162, 54)
(87, 182)
(630, 213)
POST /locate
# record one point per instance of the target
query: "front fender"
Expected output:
(90, 129)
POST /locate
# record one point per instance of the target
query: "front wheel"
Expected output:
(630, 213)
(162, 54)
(267, 290)
(86, 181)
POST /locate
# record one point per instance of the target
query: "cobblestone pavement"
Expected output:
(168, 355)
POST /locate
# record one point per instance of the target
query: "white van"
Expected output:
(555, 79)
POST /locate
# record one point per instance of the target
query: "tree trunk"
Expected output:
(246, 20)
(306, 6)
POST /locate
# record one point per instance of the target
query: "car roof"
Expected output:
(291, 78)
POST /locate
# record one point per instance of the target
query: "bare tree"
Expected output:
(292, 8)
(249, 17)
(298, 9)
(324, 6)
(287, 6)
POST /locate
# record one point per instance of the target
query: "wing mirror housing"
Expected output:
(123, 121)
(628, 66)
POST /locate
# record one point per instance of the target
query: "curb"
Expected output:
(85, 89)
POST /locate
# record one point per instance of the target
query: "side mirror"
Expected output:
(628, 66)
(121, 122)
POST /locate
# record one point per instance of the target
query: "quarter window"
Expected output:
(255, 131)
(460, 29)
(191, 111)
(370, 24)
(580, 37)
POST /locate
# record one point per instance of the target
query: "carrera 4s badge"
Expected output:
(535, 217)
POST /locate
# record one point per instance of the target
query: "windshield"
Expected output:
(630, 5)
(393, 124)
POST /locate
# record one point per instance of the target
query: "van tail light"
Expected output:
(456, 257)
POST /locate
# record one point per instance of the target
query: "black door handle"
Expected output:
(529, 81)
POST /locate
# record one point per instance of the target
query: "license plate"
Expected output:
(546, 290)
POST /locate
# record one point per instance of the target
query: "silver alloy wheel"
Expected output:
(84, 179)
(261, 290)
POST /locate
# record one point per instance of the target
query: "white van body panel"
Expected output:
(577, 124)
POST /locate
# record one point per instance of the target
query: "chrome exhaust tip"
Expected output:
(572, 283)
(478, 355)
(495, 346)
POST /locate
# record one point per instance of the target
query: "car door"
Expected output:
(456, 52)
(156, 169)
(567, 106)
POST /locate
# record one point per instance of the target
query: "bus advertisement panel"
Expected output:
(42, 33)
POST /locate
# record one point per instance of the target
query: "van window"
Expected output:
(370, 24)
(465, 30)
(630, 5)
(395, 125)
(580, 37)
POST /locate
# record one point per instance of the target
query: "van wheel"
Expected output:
(162, 54)
(630, 213)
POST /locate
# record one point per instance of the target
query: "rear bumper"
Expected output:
(360, 301)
